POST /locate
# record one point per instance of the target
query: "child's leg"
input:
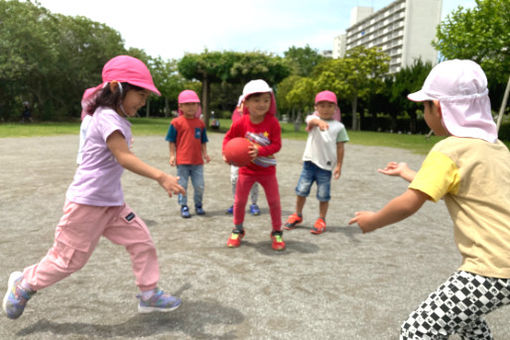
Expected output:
(197, 180)
(76, 237)
(254, 193)
(234, 174)
(270, 185)
(458, 306)
(323, 178)
(300, 204)
(244, 184)
(183, 173)
(130, 231)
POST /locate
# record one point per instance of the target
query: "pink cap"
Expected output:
(326, 96)
(460, 86)
(124, 69)
(189, 96)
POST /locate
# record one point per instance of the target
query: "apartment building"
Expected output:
(404, 30)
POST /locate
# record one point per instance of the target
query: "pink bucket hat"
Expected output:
(258, 86)
(460, 86)
(124, 69)
(189, 96)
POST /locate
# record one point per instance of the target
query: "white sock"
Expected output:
(147, 294)
(25, 286)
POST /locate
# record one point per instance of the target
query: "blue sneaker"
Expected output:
(185, 211)
(15, 298)
(254, 209)
(230, 210)
(199, 210)
(159, 302)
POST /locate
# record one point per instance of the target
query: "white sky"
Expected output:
(169, 28)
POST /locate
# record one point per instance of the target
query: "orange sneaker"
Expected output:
(276, 237)
(235, 238)
(293, 221)
(319, 227)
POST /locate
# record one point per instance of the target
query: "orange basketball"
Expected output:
(236, 151)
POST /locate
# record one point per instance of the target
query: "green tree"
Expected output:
(357, 75)
(217, 67)
(481, 34)
(302, 60)
(301, 97)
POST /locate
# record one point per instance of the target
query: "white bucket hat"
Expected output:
(460, 86)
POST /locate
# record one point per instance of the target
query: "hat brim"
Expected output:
(419, 96)
(146, 86)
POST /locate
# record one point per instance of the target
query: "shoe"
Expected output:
(276, 237)
(159, 302)
(16, 298)
(199, 210)
(235, 238)
(254, 209)
(293, 221)
(185, 211)
(319, 227)
(230, 210)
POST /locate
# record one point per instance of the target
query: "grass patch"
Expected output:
(159, 126)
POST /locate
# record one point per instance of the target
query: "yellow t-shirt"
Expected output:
(473, 176)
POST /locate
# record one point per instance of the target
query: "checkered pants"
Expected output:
(458, 307)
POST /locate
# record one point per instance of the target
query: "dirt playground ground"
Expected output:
(338, 285)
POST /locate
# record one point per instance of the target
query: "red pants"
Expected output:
(270, 185)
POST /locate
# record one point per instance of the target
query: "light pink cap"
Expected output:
(326, 96)
(259, 86)
(460, 86)
(124, 68)
(189, 96)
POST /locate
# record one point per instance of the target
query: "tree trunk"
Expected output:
(297, 121)
(148, 108)
(355, 121)
(205, 100)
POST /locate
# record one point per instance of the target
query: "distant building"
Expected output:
(404, 30)
(326, 53)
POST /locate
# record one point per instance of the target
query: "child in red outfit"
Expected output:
(261, 127)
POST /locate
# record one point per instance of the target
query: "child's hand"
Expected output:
(337, 172)
(253, 151)
(172, 161)
(364, 220)
(394, 169)
(207, 159)
(224, 158)
(323, 126)
(171, 185)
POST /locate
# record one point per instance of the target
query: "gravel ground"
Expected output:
(338, 285)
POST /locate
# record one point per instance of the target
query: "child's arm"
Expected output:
(396, 210)
(118, 146)
(339, 160)
(206, 157)
(172, 153)
(313, 121)
(399, 169)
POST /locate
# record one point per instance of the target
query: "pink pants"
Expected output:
(77, 235)
(270, 185)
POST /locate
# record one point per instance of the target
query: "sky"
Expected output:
(170, 28)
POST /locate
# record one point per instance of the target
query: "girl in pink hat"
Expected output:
(259, 125)
(470, 170)
(95, 203)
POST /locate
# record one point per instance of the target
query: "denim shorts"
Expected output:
(312, 173)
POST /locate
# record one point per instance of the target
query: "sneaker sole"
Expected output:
(317, 231)
(12, 278)
(144, 310)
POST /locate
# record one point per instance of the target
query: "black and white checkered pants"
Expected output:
(458, 307)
